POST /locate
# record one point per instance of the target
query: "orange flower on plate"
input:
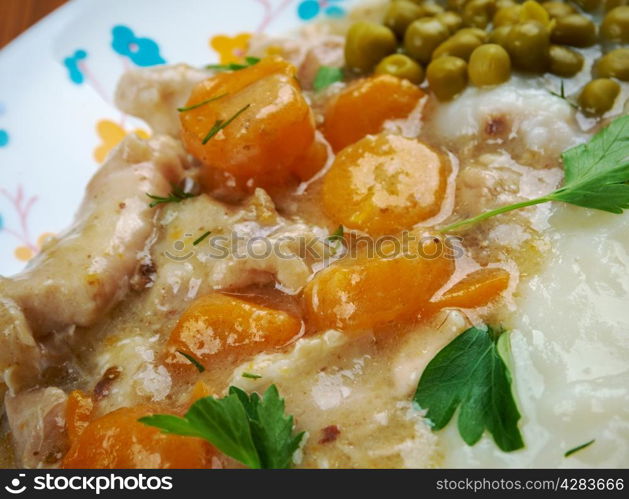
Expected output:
(25, 253)
(111, 134)
(231, 48)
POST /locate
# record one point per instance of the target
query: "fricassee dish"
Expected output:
(392, 241)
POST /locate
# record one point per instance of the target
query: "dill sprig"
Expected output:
(220, 124)
(176, 195)
(562, 95)
(192, 361)
(199, 239)
(199, 104)
(233, 66)
(578, 448)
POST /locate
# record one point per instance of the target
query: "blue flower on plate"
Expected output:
(141, 51)
(4, 140)
(72, 65)
(1, 222)
(309, 9)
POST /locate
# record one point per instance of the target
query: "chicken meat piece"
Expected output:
(80, 276)
(155, 94)
(37, 422)
(20, 356)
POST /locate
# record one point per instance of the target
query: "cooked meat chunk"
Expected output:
(155, 94)
(78, 277)
(20, 357)
(37, 422)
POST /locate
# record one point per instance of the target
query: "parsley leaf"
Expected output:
(596, 175)
(232, 66)
(177, 195)
(325, 76)
(253, 430)
(272, 430)
(220, 124)
(469, 373)
(578, 448)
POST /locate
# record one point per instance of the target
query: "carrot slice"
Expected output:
(118, 441)
(364, 106)
(476, 289)
(386, 183)
(218, 324)
(264, 124)
(358, 294)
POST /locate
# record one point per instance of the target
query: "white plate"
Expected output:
(57, 121)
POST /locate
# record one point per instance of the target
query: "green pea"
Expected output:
(575, 30)
(459, 45)
(507, 16)
(612, 4)
(366, 44)
(500, 4)
(499, 35)
(614, 64)
(447, 77)
(479, 13)
(588, 5)
(402, 66)
(558, 9)
(533, 11)
(456, 4)
(528, 44)
(489, 65)
(481, 34)
(400, 14)
(564, 61)
(431, 8)
(598, 96)
(615, 25)
(450, 19)
(423, 37)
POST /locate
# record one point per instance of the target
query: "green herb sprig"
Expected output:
(596, 176)
(192, 361)
(251, 429)
(470, 373)
(249, 61)
(200, 104)
(201, 238)
(337, 235)
(176, 195)
(562, 95)
(325, 76)
(220, 125)
(578, 448)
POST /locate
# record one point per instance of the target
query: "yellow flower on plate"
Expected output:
(111, 134)
(24, 253)
(231, 48)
